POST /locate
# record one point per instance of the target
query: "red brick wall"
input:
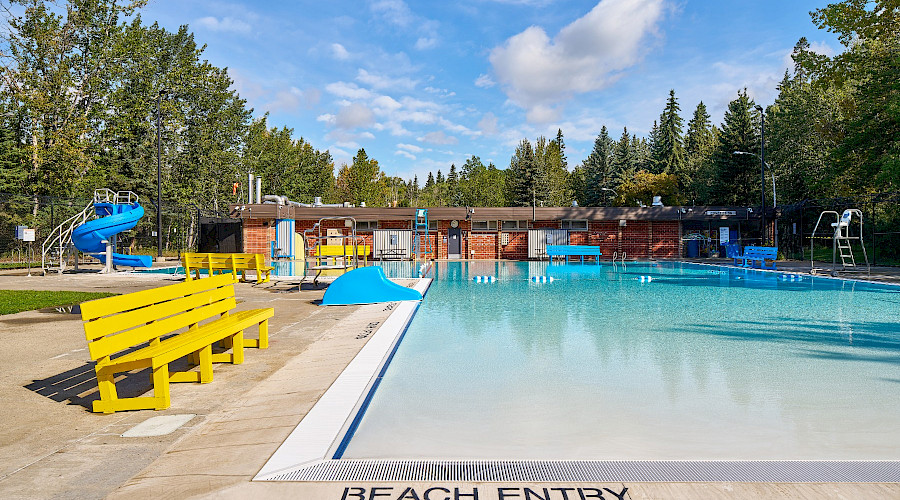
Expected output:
(484, 244)
(517, 249)
(258, 236)
(639, 239)
(664, 241)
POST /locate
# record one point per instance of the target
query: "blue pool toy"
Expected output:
(366, 285)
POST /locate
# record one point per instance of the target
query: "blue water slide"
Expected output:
(366, 285)
(113, 219)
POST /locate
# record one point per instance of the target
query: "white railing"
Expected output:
(61, 236)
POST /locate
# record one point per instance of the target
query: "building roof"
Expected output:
(272, 211)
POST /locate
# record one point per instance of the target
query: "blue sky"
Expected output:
(421, 85)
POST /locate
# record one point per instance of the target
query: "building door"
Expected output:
(454, 242)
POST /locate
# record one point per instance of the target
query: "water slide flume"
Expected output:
(113, 218)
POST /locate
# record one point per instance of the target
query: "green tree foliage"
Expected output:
(365, 180)
(559, 191)
(56, 77)
(670, 144)
(799, 134)
(597, 168)
(700, 141)
(522, 177)
(482, 186)
(737, 177)
(289, 167)
(867, 157)
(643, 186)
(624, 162)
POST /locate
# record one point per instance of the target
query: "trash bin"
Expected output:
(693, 249)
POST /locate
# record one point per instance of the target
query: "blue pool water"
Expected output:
(700, 362)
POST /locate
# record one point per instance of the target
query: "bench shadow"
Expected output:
(78, 386)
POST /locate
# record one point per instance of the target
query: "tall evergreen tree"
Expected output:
(521, 176)
(655, 157)
(670, 142)
(560, 193)
(624, 161)
(699, 144)
(597, 171)
(737, 177)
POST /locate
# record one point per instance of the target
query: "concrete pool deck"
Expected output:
(52, 446)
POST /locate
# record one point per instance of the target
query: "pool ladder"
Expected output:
(616, 257)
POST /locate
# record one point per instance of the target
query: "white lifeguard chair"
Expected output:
(841, 241)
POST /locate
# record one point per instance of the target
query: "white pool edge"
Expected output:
(322, 429)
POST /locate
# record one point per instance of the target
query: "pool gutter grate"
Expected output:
(793, 471)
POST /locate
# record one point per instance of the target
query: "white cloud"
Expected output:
(339, 52)
(405, 154)
(410, 147)
(226, 24)
(348, 90)
(286, 100)
(425, 43)
(396, 12)
(384, 105)
(484, 81)
(438, 137)
(353, 116)
(488, 124)
(539, 73)
(380, 82)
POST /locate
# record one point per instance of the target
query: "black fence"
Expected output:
(880, 233)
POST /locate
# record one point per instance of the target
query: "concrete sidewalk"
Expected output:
(52, 446)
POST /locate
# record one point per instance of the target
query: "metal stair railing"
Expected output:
(58, 240)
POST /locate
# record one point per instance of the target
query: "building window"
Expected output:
(484, 225)
(366, 225)
(514, 225)
(432, 225)
(575, 225)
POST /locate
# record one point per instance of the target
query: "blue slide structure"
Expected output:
(366, 285)
(113, 219)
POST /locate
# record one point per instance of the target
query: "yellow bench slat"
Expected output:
(183, 344)
(118, 322)
(111, 305)
(341, 250)
(112, 344)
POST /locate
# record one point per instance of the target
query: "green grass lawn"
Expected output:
(19, 265)
(13, 301)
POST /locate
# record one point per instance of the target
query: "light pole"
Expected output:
(611, 190)
(762, 169)
(159, 175)
(774, 194)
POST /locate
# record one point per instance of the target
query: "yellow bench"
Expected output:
(152, 328)
(222, 262)
(342, 251)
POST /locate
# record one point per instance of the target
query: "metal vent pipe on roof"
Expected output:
(249, 188)
(258, 190)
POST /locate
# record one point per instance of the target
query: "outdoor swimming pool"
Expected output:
(696, 363)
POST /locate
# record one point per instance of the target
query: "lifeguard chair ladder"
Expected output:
(841, 241)
(420, 227)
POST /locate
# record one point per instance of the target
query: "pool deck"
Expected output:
(52, 446)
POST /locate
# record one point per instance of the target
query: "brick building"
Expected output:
(503, 232)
